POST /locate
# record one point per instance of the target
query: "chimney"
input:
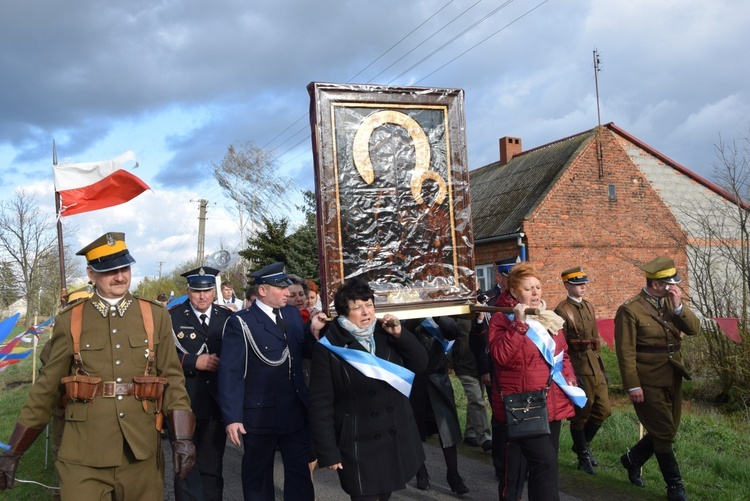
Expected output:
(509, 147)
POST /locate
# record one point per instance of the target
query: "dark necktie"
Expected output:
(204, 324)
(279, 320)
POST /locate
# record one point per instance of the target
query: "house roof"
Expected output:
(503, 195)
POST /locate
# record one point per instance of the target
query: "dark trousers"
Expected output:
(510, 464)
(540, 454)
(205, 480)
(257, 466)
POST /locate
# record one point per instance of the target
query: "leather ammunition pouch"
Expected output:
(81, 388)
(149, 387)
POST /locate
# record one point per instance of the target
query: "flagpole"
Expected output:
(60, 245)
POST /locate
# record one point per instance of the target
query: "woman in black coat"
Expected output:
(363, 427)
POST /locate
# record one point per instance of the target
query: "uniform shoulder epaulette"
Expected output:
(225, 307)
(631, 300)
(152, 301)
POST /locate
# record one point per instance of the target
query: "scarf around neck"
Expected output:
(363, 336)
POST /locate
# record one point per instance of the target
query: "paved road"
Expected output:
(477, 474)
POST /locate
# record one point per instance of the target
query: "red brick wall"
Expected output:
(577, 224)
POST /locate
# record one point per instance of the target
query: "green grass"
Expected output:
(15, 382)
(713, 450)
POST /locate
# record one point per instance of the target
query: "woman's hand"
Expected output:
(520, 312)
(317, 322)
(392, 325)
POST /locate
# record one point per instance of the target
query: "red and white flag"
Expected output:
(91, 186)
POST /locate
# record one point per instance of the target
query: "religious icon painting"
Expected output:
(392, 189)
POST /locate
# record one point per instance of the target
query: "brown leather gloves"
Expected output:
(19, 442)
(182, 425)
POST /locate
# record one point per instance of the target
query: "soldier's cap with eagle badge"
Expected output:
(574, 276)
(504, 266)
(201, 279)
(273, 274)
(107, 253)
(662, 269)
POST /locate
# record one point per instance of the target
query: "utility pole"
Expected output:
(160, 264)
(599, 152)
(202, 232)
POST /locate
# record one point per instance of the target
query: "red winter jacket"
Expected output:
(520, 367)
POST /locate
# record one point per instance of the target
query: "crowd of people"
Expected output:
(357, 393)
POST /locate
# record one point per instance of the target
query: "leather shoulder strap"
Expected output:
(148, 325)
(569, 313)
(76, 324)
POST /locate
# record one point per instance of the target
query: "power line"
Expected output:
(482, 41)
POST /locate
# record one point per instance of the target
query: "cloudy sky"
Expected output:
(177, 82)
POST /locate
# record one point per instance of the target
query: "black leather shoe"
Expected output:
(457, 483)
(487, 445)
(423, 479)
(471, 442)
(634, 471)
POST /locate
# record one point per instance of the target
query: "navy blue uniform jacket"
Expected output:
(200, 385)
(268, 399)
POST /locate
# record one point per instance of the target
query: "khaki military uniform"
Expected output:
(584, 350)
(650, 358)
(111, 440)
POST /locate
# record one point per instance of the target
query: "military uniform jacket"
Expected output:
(580, 324)
(636, 327)
(266, 399)
(190, 338)
(113, 347)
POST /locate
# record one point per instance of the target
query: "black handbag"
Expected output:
(526, 413)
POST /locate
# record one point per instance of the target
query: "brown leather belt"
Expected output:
(583, 344)
(112, 389)
(671, 348)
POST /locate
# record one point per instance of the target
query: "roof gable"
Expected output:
(503, 195)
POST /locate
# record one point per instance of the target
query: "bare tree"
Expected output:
(28, 241)
(249, 177)
(718, 250)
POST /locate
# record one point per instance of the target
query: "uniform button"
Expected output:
(145, 340)
(117, 362)
(119, 397)
(88, 345)
(119, 380)
(122, 414)
(114, 331)
(114, 314)
(117, 346)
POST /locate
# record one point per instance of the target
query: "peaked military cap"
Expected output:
(201, 279)
(273, 274)
(575, 276)
(505, 265)
(662, 268)
(107, 253)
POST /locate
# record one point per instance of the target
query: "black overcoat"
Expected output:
(363, 423)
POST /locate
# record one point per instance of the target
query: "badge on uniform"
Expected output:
(180, 335)
(193, 336)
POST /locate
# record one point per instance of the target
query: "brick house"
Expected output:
(601, 199)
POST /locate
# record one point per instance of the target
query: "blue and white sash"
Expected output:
(373, 367)
(546, 345)
(432, 327)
